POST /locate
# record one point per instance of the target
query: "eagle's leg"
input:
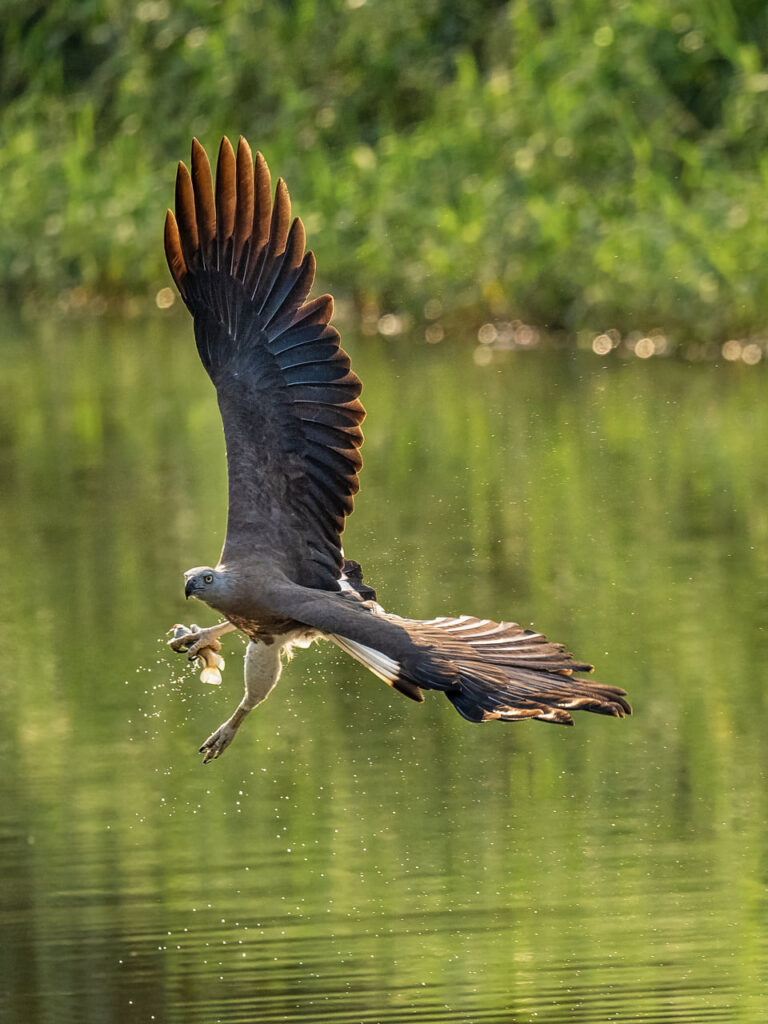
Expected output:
(262, 671)
(193, 640)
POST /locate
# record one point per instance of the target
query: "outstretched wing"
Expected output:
(287, 396)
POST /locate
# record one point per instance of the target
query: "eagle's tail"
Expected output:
(491, 671)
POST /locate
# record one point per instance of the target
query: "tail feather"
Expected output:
(491, 671)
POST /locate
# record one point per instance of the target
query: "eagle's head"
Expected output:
(206, 584)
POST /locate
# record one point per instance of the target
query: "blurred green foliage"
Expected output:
(578, 165)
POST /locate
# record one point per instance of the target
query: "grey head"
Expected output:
(206, 584)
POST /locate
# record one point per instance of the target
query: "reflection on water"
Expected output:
(354, 857)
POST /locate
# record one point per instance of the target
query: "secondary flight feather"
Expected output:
(290, 408)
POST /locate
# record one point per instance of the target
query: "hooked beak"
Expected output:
(189, 587)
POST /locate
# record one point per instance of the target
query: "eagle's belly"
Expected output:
(269, 628)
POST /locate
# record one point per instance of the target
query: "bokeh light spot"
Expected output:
(602, 345)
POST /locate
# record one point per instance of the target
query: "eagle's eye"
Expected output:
(208, 577)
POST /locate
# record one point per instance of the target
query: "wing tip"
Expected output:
(225, 146)
(173, 251)
(182, 177)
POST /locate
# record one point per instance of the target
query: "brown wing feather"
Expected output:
(287, 395)
(205, 210)
(187, 221)
(244, 201)
(226, 198)
(176, 262)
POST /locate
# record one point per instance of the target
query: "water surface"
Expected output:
(353, 856)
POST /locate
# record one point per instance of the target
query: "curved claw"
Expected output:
(202, 644)
(217, 742)
(194, 640)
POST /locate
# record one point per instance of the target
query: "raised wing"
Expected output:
(288, 398)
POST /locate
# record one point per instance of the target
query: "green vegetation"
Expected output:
(579, 166)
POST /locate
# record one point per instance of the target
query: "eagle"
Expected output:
(291, 411)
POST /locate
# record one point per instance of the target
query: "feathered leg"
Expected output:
(262, 671)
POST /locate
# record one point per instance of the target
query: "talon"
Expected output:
(193, 640)
(200, 647)
(183, 637)
(218, 742)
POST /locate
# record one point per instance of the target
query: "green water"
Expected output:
(353, 856)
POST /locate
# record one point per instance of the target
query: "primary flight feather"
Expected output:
(290, 407)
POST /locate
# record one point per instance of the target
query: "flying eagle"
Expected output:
(290, 407)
